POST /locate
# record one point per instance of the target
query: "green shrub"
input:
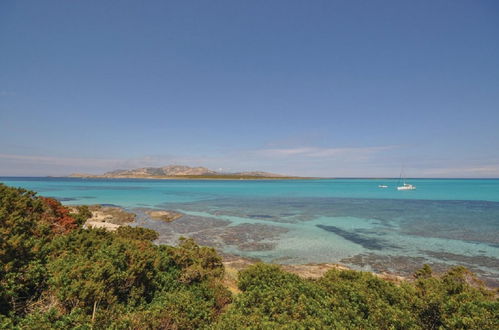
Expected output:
(138, 233)
(272, 298)
(27, 224)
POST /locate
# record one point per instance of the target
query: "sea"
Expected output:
(353, 222)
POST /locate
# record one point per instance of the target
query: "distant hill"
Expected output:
(179, 171)
(172, 170)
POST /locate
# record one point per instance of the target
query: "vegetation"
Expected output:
(55, 274)
(272, 298)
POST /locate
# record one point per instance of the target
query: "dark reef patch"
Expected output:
(65, 199)
(468, 261)
(88, 187)
(260, 216)
(111, 205)
(368, 243)
(246, 236)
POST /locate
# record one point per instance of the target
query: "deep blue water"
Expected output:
(350, 221)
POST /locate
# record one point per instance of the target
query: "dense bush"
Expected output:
(27, 226)
(143, 234)
(272, 298)
(55, 274)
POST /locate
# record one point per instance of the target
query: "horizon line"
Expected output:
(297, 177)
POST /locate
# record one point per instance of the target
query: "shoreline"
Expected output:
(112, 217)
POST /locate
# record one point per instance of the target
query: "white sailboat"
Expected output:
(405, 186)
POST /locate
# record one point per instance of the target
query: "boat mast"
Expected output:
(402, 176)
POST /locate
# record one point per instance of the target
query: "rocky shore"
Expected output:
(108, 217)
(112, 217)
(167, 216)
(254, 237)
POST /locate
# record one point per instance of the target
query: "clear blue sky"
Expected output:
(326, 88)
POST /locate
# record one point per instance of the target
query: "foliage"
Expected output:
(27, 224)
(137, 233)
(57, 275)
(272, 298)
(83, 214)
(58, 216)
(198, 263)
(457, 300)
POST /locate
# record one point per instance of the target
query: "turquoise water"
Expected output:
(350, 221)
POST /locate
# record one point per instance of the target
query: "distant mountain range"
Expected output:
(179, 171)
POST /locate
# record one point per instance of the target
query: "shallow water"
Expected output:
(349, 221)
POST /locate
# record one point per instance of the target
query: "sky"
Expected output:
(312, 88)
